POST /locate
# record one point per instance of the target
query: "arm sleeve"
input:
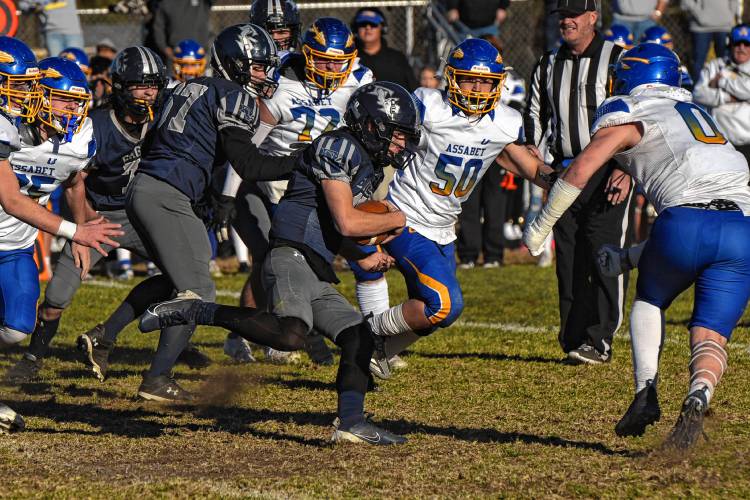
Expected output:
(247, 160)
(536, 115)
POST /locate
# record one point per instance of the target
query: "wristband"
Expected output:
(67, 229)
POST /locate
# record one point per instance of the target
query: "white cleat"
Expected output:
(239, 350)
(10, 421)
(282, 357)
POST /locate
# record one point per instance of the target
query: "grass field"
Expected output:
(488, 407)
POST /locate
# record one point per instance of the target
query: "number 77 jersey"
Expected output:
(454, 154)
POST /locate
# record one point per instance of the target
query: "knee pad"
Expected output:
(9, 336)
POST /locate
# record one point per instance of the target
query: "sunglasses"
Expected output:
(367, 24)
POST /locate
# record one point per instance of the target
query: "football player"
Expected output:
(314, 88)
(280, 18)
(660, 35)
(465, 129)
(619, 35)
(38, 157)
(189, 60)
(79, 57)
(313, 222)
(698, 184)
(138, 78)
(204, 123)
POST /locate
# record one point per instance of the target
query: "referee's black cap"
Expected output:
(576, 7)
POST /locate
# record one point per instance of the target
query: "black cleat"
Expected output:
(10, 421)
(689, 426)
(26, 370)
(318, 350)
(642, 412)
(96, 351)
(179, 311)
(194, 358)
(365, 432)
(163, 389)
(586, 354)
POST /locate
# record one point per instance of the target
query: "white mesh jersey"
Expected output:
(682, 157)
(454, 153)
(303, 112)
(40, 170)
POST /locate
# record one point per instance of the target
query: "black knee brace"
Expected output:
(357, 346)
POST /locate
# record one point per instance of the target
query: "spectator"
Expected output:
(177, 20)
(724, 88)
(59, 23)
(710, 22)
(428, 78)
(106, 48)
(551, 28)
(638, 15)
(387, 64)
(478, 17)
(99, 82)
(590, 304)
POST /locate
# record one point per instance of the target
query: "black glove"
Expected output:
(223, 213)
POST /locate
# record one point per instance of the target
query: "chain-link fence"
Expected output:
(521, 36)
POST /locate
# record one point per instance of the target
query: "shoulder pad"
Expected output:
(9, 134)
(360, 71)
(613, 111)
(83, 144)
(509, 121)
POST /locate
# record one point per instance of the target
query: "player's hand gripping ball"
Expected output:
(373, 207)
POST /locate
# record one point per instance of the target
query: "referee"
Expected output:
(568, 84)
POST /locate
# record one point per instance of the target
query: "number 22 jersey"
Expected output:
(454, 153)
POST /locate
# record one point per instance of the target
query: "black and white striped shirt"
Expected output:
(565, 91)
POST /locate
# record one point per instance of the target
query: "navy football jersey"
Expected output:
(185, 147)
(302, 218)
(117, 157)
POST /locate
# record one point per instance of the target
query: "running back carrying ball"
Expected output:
(374, 207)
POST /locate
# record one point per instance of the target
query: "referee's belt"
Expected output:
(718, 204)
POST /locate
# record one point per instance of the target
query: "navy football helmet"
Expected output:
(79, 57)
(240, 47)
(329, 50)
(65, 96)
(136, 66)
(20, 95)
(280, 18)
(475, 58)
(646, 63)
(375, 111)
(189, 60)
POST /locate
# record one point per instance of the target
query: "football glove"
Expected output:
(223, 213)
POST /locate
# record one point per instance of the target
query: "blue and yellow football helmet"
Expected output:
(20, 94)
(619, 35)
(189, 60)
(646, 63)
(658, 34)
(63, 82)
(329, 50)
(475, 58)
(79, 57)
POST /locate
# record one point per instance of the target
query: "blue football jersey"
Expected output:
(185, 147)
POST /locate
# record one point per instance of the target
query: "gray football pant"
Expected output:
(67, 277)
(178, 242)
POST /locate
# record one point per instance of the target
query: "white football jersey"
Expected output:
(683, 156)
(454, 153)
(40, 170)
(303, 113)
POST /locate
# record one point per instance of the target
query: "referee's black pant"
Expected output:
(591, 305)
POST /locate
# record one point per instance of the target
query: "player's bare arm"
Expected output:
(352, 222)
(519, 160)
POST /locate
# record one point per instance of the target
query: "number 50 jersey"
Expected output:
(683, 156)
(40, 169)
(454, 153)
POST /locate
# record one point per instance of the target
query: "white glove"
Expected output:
(561, 197)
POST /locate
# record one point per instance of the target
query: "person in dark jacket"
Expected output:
(178, 20)
(387, 64)
(478, 17)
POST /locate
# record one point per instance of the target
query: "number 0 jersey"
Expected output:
(682, 157)
(303, 113)
(454, 153)
(40, 169)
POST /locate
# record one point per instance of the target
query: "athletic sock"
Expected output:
(351, 408)
(707, 364)
(118, 320)
(172, 342)
(390, 322)
(372, 296)
(398, 343)
(647, 338)
(149, 291)
(42, 337)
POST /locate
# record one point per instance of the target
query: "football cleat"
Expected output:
(365, 432)
(318, 350)
(642, 412)
(282, 357)
(96, 351)
(379, 363)
(396, 362)
(588, 355)
(26, 370)
(194, 358)
(239, 350)
(163, 389)
(10, 421)
(179, 311)
(689, 426)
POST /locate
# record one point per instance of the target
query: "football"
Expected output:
(374, 207)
